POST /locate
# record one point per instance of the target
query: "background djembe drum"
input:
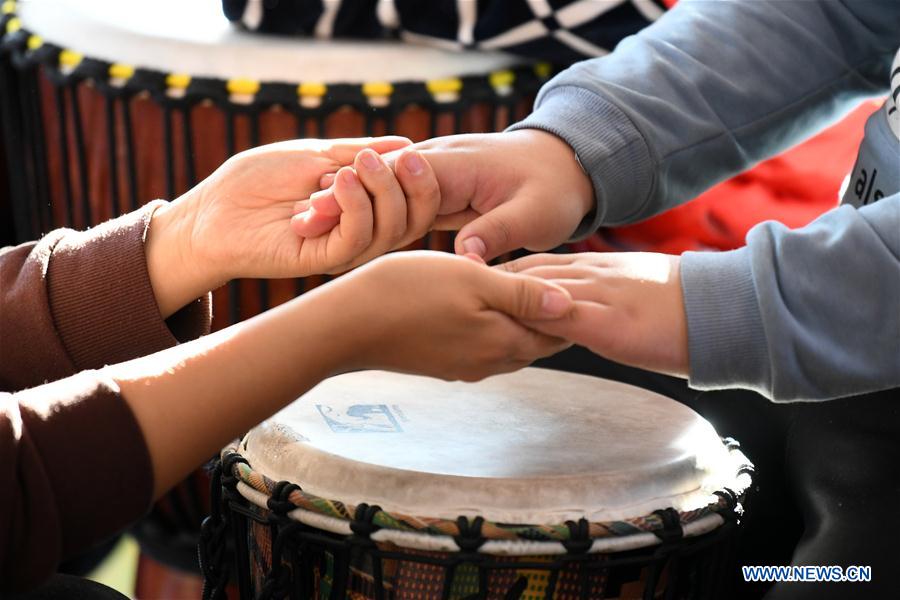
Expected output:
(108, 105)
(102, 133)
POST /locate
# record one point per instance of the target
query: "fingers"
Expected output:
(354, 231)
(311, 224)
(536, 260)
(523, 297)
(589, 324)
(326, 181)
(507, 227)
(344, 151)
(569, 271)
(390, 210)
(533, 344)
(423, 197)
(325, 204)
(455, 221)
(389, 143)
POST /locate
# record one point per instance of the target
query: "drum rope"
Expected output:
(212, 549)
(277, 580)
(724, 504)
(671, 530)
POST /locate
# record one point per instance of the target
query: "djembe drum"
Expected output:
(536, 484)
(106, 105)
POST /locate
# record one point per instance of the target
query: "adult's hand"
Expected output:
(629, 307)
(237, 222)
(446, 316)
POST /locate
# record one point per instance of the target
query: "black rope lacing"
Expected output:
(213, 548)
(671, 530)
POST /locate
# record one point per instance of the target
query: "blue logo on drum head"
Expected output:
(360, 418)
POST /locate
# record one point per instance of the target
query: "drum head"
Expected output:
(194, 37)
(536, 446)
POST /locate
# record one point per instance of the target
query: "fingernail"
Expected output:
(369, 160)
(348, 177)
(474, 257)
(327, 180)
(474, 245)
(554, 303)
(414, 163)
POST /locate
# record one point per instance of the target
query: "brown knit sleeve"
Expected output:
(74, 466)
(74, 470)
(81, 300)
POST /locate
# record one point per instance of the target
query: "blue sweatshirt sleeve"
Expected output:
(806, 314)
(709, 90)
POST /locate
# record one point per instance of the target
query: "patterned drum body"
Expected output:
(537, 484)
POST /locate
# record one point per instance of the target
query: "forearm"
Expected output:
(809, 314)
(135, 429)
(192, 399)
(696, 98)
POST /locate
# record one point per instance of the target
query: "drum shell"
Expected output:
(311, 563)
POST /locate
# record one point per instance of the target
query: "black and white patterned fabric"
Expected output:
(561, 31)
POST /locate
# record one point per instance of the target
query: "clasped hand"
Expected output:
(525, 189)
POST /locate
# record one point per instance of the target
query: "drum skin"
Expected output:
(534, 446)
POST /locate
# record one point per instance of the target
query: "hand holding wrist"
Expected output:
(177, 274)
(505, 191)
(629, 307)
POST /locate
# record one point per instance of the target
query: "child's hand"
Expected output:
(440, 315)
(502, 191)
(403, 206)
(629, 307)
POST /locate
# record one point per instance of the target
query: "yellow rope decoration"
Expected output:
(178, 81)
(377, 88)
(444, 86)
(70, 58)
(35, 42)
(121, 71)
(247, 87)
(13, 25)
(543, 70)
(501, 79)
(8, 7)
(312, 89)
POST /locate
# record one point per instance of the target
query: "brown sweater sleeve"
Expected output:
(74, 466)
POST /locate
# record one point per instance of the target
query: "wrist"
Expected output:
(567, 166)
(176, 274)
